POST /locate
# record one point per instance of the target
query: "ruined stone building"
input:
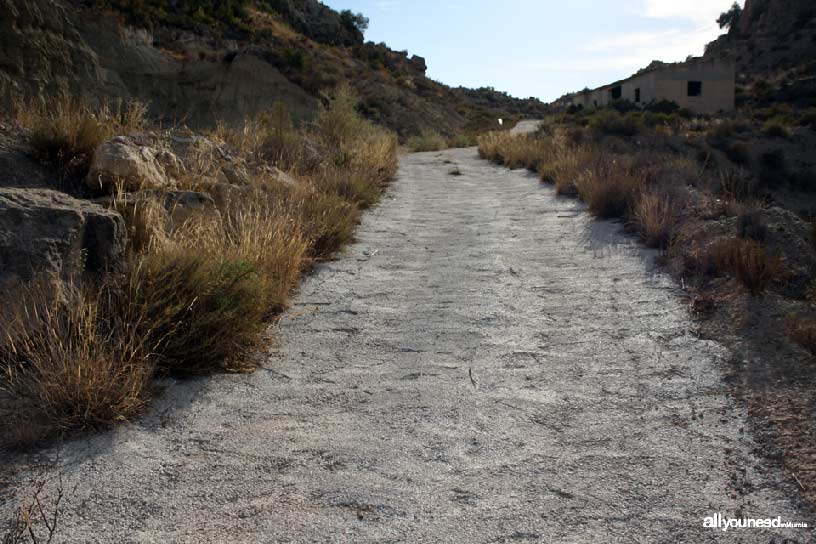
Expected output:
(701, 85)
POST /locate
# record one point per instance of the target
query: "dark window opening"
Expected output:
(637, 95)
(616, 92)
(595, 102)
(695, 88)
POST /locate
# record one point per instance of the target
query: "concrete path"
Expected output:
(487, 364)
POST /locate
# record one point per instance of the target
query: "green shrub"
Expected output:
(612, 122)
(762, 90)
(651, 119)
(776, 128)
(720, 134)
(295, 58)
(622, 105)
(185, 13)
(663, 106)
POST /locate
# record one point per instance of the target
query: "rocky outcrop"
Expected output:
(770, 35)
(47, 232)
(42, 53)
(313, 19)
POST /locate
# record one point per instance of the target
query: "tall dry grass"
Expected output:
(206, 292)
(610, 186)
(77, 361)
(655, 217)
(427, 141)
(193, 298)
(746, 260)
(65, 133)
(608, 183)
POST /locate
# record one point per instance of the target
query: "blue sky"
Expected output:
(541, 48)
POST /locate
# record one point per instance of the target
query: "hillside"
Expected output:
(200, 62)
(773, 43)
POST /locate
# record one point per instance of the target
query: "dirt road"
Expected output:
(487, 364)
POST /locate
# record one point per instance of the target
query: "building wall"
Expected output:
(671, 83)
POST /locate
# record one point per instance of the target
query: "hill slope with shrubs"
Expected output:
(197, 62)
(773, 43)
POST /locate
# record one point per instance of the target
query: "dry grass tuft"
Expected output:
(206, 293)
(747, 260)
(802, 330)
(66, 134)
(754, 267)
(75, 363)
(656, 219)
(609, 187)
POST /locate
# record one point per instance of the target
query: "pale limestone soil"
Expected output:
(597, 416)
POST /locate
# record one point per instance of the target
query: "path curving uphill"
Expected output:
(486, 364)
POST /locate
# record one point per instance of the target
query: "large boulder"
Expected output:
(45, 232)
(121, 163)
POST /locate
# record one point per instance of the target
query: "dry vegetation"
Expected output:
(191, 297)
(618, 180)
(433, 141)
(67, 135)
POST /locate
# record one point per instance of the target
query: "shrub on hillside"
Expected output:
(183, 13)
(666, 107)
(621, 105)
(776, 128)
(737, 185)
(747, 260)
(609, 187)
(614, 123)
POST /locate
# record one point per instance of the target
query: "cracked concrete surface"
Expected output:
(486, 364)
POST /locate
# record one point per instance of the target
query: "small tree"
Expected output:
(355, 21)
(730, 18)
